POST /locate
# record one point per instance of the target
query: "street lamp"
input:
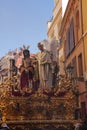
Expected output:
(69, 71)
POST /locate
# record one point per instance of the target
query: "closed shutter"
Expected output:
(74, 64)
(67, 43)
(80, 65)
(72, 43)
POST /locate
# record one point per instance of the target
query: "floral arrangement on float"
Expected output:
(64, 85)
(54, 92)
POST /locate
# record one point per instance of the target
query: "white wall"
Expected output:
(64, 5)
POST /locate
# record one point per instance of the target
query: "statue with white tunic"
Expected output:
(45, 62)
(45, 69)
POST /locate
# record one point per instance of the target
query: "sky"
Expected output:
(23, 22)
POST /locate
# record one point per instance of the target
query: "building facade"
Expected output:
(55, 23)
(73, 35)
(53, 31)
(5, 65)
(84, 32)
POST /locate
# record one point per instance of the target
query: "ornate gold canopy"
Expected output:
(50, 108)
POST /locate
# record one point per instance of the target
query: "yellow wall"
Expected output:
(85, 47)
(84, 16)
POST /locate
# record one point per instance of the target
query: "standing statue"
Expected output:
(13, 68)
(27, 72)
(45, 70)
(13, 76)
(47, 61)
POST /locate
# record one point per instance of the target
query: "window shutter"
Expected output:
(67, 43)
(72, 44)
(74, 64)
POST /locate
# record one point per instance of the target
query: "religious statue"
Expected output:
(13, 68)
(47, 62)
(13, 76)
(39, 71)
(27, 72)
(45, 70)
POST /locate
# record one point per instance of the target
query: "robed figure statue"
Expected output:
(27, 73)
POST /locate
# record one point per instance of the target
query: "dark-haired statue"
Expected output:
(13, 68)
(27, 72)
(13, 75)
(26, 53)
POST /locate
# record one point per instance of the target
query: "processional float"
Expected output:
(32, 109)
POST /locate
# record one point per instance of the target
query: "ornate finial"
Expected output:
(26, 47)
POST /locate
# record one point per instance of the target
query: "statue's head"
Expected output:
(40, 46)
(43, 44)
(26, 53)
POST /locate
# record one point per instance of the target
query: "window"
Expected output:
(80, 66)
(83, 109)
(0, 67)
(70, 42)
(77, 26)
(74, 73)
(77, 19)
(67, 43)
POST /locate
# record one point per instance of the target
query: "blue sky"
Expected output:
(23, 22)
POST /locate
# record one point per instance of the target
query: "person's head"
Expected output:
(4, 126)
(40, 46)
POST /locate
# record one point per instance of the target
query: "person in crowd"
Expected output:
(78, 126)
(4, 127)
